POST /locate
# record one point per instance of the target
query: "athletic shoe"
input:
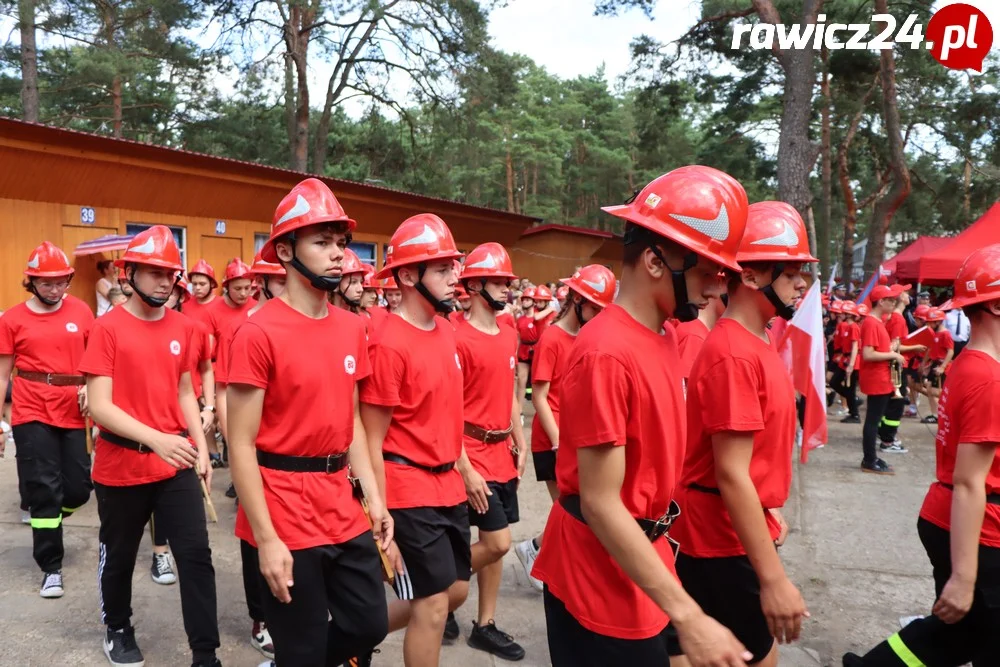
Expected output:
(363, 660)
(26, 517)
(121, 649)
(52, 585)
(929, 419)
(852, 660)
(906, 620)
(878, 467)
(214, 662)
(896, 447)
(216, 461)
(260, 639)
(851, 419)
(162, 571)
(451, 629)
(910, 411)
(491, 639)
(527, 553)
(266, 663)
(231, 491)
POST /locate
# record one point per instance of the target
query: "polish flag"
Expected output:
(801, 348)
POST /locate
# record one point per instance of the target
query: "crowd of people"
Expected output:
(371, 417)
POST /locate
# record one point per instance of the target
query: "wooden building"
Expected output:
(69, 187)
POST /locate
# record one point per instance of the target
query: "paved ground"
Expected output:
(853, 550)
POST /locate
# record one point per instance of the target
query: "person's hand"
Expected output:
(896, 356)
(395, 558)
(175, 450)
(921, 348)
(383, 526)
(81, 399)
(477, 490)
(782, 524)
(522, 461)
(938, 371)
(276, 567)
(955, 600)
(205, 468)
(207, 421)
(784, 609)
(708, 643)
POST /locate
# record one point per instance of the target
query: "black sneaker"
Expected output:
(121, 649)
(491, 639)
(231, 491)
(363, 660)
(929, 419)
(52, 585)
(851, 419)
(214, 662)
(451, 629)
(852, 660)
(878, 467)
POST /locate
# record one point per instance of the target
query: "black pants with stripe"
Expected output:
(54, 468)
(839, 385)
(124, 512)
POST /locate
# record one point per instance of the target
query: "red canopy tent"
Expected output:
(940, 266)
(897, 264)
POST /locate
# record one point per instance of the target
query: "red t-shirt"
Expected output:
(624, 384)
(690, 338)
(145, 361)
(200, 312)
(456, 317)
(847, 334)
(874, 378)
(46, 343)
(375, 317)
(508, 319)
(488, 390)
(529, 330)
(419, 374)
(968, 413)
(549, 365)
(203, 352)
(942, 343)
(309, 370)
(896, 326)
(738, 384)
(219, 314)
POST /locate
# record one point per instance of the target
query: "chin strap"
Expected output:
(443, 307)
(324, 283)
(340, 292)
(782, 309)
(683, 312)
(34, 290)
(265, 288)
(490, 301)
(151, 301)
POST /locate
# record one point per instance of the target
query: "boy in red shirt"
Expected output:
(44, 338)
(938, 359)
(741, 432)
(294, 429)
(236, 300)
(494, 450)
(898, 331)
(530, 325)
(874, 378)
(691, 335)
(370, 310)
(412, 412)
(151, 448)
(348, 294)
(607, 566)
(845, 382)
(203, 286)
(589, 291)
(959, 523)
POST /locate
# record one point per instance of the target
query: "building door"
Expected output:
(218, 251)
(86, 274)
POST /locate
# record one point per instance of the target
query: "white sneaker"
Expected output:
(260, 639)
(162, 570)
(52, 585)
(527, 553)
(906, 620)
(26, 517)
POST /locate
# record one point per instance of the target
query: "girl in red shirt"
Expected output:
(44, 339)
(937, 360)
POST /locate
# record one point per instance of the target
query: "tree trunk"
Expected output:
(811, 231)
(826, 191)
(796, 153)
(844, 176)
(116, 105)
(967, 185)
(887, 206)
(297, 43)
(290, 104)
(509, 164)
(29, 61)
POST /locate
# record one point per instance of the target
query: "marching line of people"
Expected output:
(365, 442)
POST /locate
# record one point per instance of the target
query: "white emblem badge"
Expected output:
(350, 366)
(71, 327)
(175, 348)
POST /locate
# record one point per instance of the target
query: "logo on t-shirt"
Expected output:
(512, 363)
(350, 366)
(458, 362)
(71, 327)
(531, 325)
(175, 348)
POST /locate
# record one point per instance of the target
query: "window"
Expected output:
(180, 236)
(259, 240)
(364, 251)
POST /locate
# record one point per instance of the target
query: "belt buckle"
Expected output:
(144, 448)
(329, 462)
(490, 435)
(48, 379)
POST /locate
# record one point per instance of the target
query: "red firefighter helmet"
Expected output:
(836, 306)
(848, 307)
(774, 233)
(48, 261)
(153, 247)
(864, 310)
(236, 269)
(262, 268)
(562, 293)
(422, 238)
(368, 282)
(352, 263)
(979, 278)
(205, 269)
(489, 260)
(529, 293)
(388, 283)
(182, 285)
(310, 202)
(701, 208)
(921, 311)
(595, 283)
(543, 293)
(121, 275)
(935, 315)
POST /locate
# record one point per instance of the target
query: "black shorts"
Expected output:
(502, 510)
(545, 465)
(572, 645)
(912, 374)
(435, 545)
(930, 373)
(728, 590)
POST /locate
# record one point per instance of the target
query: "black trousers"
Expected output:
(253, 583)
(54, 467)
(877, 405)
(124, 512)
(338, 608)
(889, 425)
(935, 643)
(837, 383)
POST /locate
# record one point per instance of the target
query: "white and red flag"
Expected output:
(802, 349)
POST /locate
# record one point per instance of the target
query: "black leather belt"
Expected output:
(654, 528)
(991, 498)
(325, 464)
(128, 443)
(402, 460)
(705, 489)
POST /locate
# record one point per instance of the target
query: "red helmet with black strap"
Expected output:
(978, 280)
(485, 262)
(701, 209)
(595, 283)
(47, 261)
(235, 270)
(205, 269)
(154, 247)
(421, 239)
